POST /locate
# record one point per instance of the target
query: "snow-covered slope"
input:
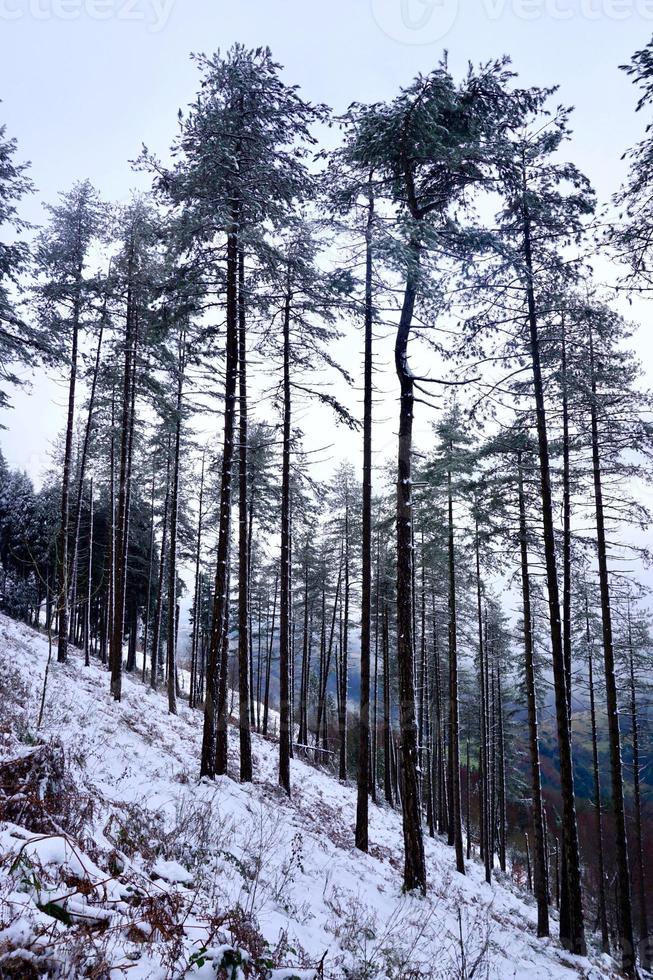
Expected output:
(133, 868)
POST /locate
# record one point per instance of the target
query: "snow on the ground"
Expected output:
(166, 876)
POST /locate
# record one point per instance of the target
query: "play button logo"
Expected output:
(415, 21)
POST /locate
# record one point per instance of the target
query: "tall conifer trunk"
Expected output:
(214, 736)
(243, 539)
(303, 695)
(120, 550)
(455, 816)
(174, 509)
(566, 521)
(83, 455)
(148, 598)
(158, 610)
(414, 864)
(603, 917)
(285, 721)
(483, 733)
(197, 599)
(111, 590)
(268, 657)
(645, 951)
(375, 719)
(572, 928)
(343, 673)
(362, 817)
(541, 887)
(89, 581)
(501, 776)
(63, 574)
(131, 655)
(387, 723)
(624, 918)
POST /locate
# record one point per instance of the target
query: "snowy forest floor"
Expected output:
(116, 862)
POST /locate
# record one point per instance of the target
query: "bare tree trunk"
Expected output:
(645, 949)
(343, 673)
(363, 777)
(243, 541)
(250, 538)
(196, 595)
(158, 613)
(111, 589)
(572, 928)
(328, 652)
(259, 645)
(224, 709)
(83, 456)
(266, 699)
(566, 583)
(303, 682)
(214, 735)
(375, 719)
(115, 653)
(291, 631)
(171, 645)
(421, 690)
(455, 820)
(603, 917)
(285, 721)
(483, 733)
(387, 724)
(414, 864)
(441, 808)
(62, 590)
(490, 837)
(624, 918)
(492, 794)
(89, 581)
(539, 858)
(566, 524)
(468, 807)
(428, 736)
(501, 762)
(131, 654)
(148, 600)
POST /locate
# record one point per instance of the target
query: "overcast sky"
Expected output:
(85, 82)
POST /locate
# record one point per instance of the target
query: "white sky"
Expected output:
(86, 82)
